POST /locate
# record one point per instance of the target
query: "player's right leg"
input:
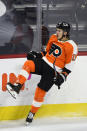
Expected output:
(37, 102)
(14, 89)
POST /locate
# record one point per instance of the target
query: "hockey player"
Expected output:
(54, 65)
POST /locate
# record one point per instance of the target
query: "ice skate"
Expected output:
(13, 89)
(29, 118)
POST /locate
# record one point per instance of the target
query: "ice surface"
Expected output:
(46, 124)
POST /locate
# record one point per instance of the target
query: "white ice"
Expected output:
(46, 124)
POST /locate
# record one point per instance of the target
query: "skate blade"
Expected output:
(27, 123)
(13, 93)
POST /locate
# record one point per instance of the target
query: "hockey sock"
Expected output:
(28, 67)
(38, 99)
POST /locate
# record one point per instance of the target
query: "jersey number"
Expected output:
(74, 57)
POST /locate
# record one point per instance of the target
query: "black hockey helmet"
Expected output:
(64, 26)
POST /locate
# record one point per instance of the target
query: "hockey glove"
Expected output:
(59, 79)
(32, 55)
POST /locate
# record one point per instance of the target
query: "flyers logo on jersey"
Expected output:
(55, 50)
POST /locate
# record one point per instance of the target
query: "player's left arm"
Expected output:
(71, 55)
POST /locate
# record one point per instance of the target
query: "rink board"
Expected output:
(50, 110)
(69, 101)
